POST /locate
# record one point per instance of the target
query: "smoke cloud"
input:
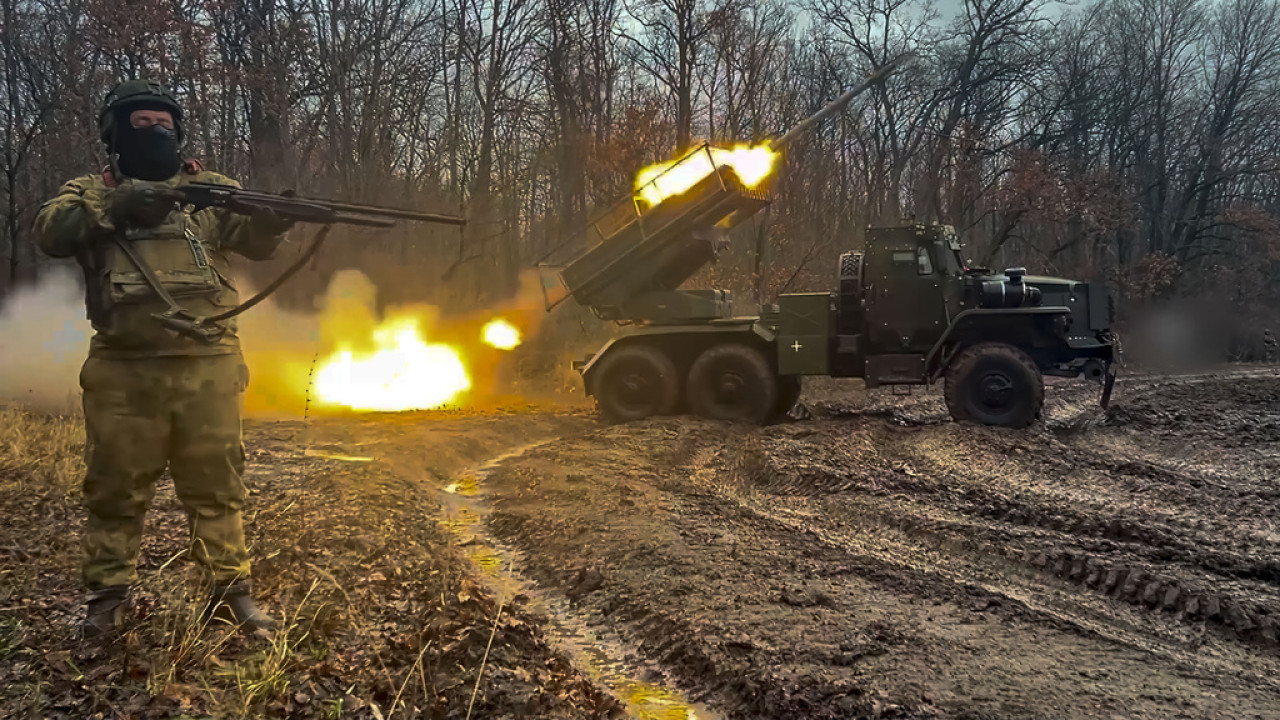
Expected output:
(44, 336)
(287, 351)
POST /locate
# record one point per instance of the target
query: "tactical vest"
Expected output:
(176, 254)
(184, 253)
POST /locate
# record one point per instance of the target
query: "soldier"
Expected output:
(153, 398)
(1268, 345)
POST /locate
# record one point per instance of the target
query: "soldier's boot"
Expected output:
(234, 604)
(104, 611)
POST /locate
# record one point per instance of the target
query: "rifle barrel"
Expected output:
(357, 209)
(397, 213)
(350, 209)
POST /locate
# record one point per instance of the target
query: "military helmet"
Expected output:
(137, 94)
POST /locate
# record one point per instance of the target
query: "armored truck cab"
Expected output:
(908, 311)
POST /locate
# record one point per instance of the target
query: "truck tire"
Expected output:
(634, 382)
(789, 388)
(733, 382)
(994, 384)
(849, 294)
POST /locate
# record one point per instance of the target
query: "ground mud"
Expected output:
(879, 560)
(874, 559)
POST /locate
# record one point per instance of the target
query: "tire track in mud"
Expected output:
(722, 672)
(449, 451)
(1173, 565)
(1150, 564)
(594, 650)
(1152, 561)
(884, 557)
(708, 541)
(1242, 548)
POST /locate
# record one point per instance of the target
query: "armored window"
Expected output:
(903, 257)
(923, 263)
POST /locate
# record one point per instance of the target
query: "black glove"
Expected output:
(272, 222)
(138, 206)
(264, 219)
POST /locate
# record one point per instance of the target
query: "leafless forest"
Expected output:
(1132, 140)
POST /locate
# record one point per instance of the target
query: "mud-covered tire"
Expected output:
(732, 382)
(634, 382)
(789, 388)
(994, 384)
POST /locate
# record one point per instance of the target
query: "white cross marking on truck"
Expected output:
(796, 346)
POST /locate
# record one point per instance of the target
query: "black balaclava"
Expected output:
(149, 153)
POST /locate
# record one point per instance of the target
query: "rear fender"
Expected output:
(683, 343)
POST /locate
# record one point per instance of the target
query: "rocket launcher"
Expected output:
(639, 252)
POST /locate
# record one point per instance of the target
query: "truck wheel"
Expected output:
(733, 382)
(994, 384)
(634, 382)
(789, 388)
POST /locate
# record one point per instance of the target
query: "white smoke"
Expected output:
(44, 337)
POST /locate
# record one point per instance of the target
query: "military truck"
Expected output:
(906, 310)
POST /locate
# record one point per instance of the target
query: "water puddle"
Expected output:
(597, 652)
(333, 453)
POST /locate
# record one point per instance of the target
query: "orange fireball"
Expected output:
(403, 372)
(501, 334)
(663, 180)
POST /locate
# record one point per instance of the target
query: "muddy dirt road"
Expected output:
(879, 560)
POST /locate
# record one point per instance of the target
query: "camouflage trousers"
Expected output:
(142, 416)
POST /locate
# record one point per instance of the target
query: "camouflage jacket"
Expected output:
(188, 252)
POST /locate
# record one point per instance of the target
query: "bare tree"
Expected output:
(1126, 138)
(670, 49)
(498, 46)
(1241, 64)
(871, 33)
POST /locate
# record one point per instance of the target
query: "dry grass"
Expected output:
(379, 616)
(40, 451)
(167, 656)
(41, 463)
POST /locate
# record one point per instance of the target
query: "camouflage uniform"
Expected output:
(1268, 346)
(152, 398)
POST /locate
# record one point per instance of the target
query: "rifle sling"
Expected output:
(175, 309)
(274, 285)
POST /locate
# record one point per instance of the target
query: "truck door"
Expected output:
(905, 312)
